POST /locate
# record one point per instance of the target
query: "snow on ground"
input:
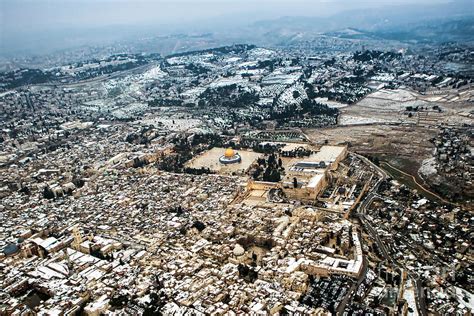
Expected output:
(331, 104)
(232, 60)
(287, 97)
(428, 167)
(466, 298)
(247, 64)
(250, 71)
(178, 60)
(272, 90)
(133, 84)
(349, 31)
(409, 296)
(384, 77)
(391, 99)
(135, 88)
(7, 93)
(154, 74)
(193, 93)
(112, 83)
(345, 119)
(129, 110)
(394, 95)
(265, 101)
(261, 53)
(278, 77)
(173, 124)
(99, 102)
(222, 82)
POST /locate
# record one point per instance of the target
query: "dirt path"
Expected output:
(415, 182)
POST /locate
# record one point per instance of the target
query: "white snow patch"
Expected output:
(154, 73)
(428, 167)
(409, 296)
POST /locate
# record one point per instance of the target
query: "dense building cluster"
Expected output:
(410, 227)
(194, 183)
(453, 164)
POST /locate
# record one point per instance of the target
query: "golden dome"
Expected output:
(229, 153)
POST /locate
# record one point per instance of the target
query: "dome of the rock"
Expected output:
(230, 156)
(229, 153)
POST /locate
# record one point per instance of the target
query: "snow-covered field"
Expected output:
(129, 110)
(7, 93)
(359, 120)
(222, 82)
(287, 97)
(247, 64)
(173, 124)
(331, 104)
(261, 53)
(99, 102)
(428, 167)
(231, 60)
(193, 93)
(394, 95)
(391, 99)
(278, 77)
(154, 74)
(271, 91)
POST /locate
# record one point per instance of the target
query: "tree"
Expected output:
(199, 225)
(48, 193)
(275, 176)
(296, 94)
(26, 190)
(271, 160)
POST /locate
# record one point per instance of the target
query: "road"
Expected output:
(361, 214)
(376, 237)
(353, 289)
(362, 210)
(414, 182)
(419, 296)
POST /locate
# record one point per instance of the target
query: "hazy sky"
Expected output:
(26, 23)
(25, 15)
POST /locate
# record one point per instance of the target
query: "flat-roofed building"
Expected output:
(307, 177)
(330, 155)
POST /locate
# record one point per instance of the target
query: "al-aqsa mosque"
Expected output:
(230, 156)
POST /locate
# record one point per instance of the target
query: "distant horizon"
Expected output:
(31, 27)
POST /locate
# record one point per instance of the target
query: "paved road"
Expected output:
(376, 237)
(362, 211)
(353, 289)
(420, 297)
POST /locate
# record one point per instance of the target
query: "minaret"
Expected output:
(76, 244)
(68, 260)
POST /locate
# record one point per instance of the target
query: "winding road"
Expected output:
(361, 215)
